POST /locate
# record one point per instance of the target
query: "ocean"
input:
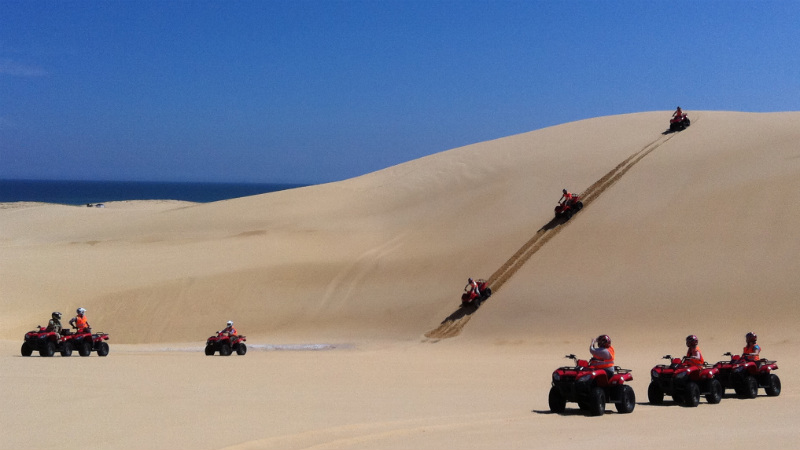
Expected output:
(86, 192)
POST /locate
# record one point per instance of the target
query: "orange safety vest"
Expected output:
(231, 331)
(689, 354)
(81, 322)
(751, 349)
(604, 363)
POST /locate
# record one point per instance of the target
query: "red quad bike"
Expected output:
(568, 209)
(745, 376)
(85, 342)
(685, 382)
(679, 123)
(471, 298)
(591, 388)
(47, 343)
(225, 344)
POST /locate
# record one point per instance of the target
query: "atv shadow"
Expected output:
(466, 310)
(556, 221)
(572, 412)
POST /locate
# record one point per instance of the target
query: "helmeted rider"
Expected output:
(693, 354)
(230, 330)
(472, 288)
(602, 354)
(55, 322)
(678, 114)
(81, 322)
(752, 350)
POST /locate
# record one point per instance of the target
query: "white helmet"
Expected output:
(81, 311)
(230, 323)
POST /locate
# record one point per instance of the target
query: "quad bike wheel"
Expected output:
(750, 387)
(225, 349)
(102, 349)
(655, 394)
(627, 399)
(556, 401)
(85, 347)
(715, 391)
(773, 388)
(26, 349)
(209, 350)
(241, 349)
(597, 402)
(691, 396)
(49, 349)
(66, 349)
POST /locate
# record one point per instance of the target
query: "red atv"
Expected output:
(685, 382)
(591, 388)
(745, 376)
(679, 123)
(84, 341)
(47, 343)
(225, 344)
(569, 208)
(469, 297)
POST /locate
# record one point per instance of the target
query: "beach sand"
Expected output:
(348, 293)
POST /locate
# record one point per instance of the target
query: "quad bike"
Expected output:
(591, 388)
(47, 343)
(469, 297)
(685, 382)
(85, 342)
(225, 344)
(745, 376)
(679, 123)
(569, 208)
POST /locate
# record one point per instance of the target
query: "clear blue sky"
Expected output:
(318, 91)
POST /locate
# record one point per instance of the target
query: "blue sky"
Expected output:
(319, 91)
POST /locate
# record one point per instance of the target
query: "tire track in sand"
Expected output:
(455, 322)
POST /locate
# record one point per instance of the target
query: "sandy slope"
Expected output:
(694, 232)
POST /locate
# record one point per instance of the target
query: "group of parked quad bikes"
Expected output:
(682, 379)
(48, 341)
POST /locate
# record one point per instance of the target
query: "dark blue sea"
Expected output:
(85, 192)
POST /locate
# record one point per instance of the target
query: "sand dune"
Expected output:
(349, 293)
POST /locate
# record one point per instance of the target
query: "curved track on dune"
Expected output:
(455, 322)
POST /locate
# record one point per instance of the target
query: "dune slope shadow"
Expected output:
(455, 322)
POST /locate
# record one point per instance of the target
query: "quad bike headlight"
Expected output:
(654, 373)
(584, 377)
(556, 376)
(681, 375)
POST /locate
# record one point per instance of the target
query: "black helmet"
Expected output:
(691, 340)
(751, 337)
(604, 341)
(564, 191)
(56, 315)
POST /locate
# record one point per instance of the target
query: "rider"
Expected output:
(55, 323)
(230, 330)
(678, 114)
(602, 354)
(566, 197)
(80, 321)
(693, 355)
(751, 351)
(472, 288)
